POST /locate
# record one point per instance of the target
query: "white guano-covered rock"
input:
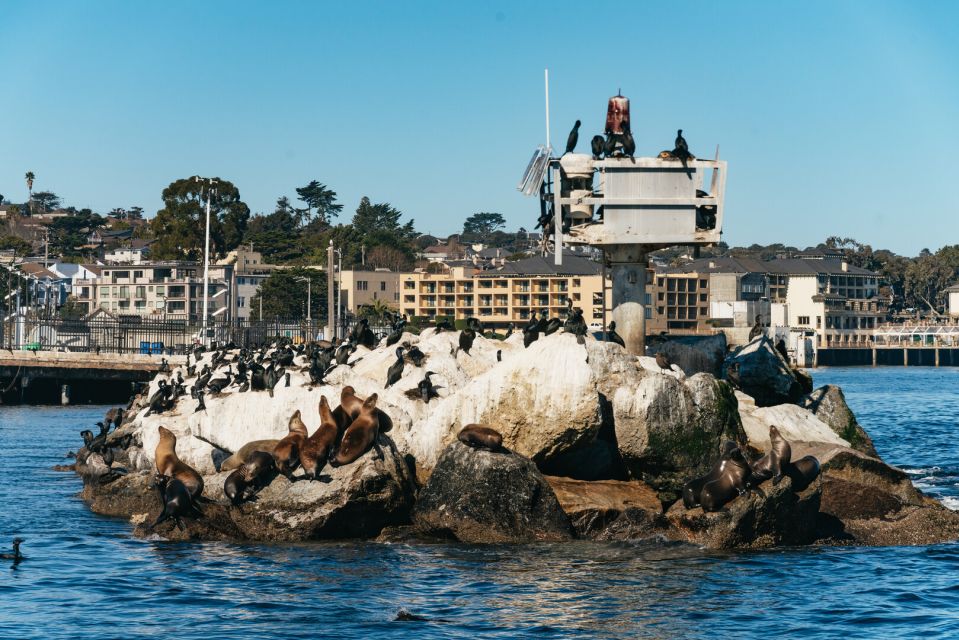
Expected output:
(793, 422)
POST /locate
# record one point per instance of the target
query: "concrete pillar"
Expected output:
(905, 357)
(874, 356)
(64, 394)
(629, 296)
(937, 356)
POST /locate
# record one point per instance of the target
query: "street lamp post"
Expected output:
(339, 292)
(309, 316)
(206, 253)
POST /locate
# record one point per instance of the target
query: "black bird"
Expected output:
(202, 405)
(757, 329)
(574, 322)
(530, 332)
(468, 335)
(499, 355)
(597, 146)
(425, 390)
(612, 336)
(629, 145)
(552, 326)
(396, 369)
(287, 378)
(415, 356)
(16, 556)
(573, 138)
(682, 151)
(219, 384)
(543, 321)
(443, 325)
(97, 350)
(164, 365)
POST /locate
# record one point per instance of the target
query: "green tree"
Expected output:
(19, 245)
(71, 309)
(316, 196)
(135, 213)
(483, 224)
(179, 227)
(276, 235)
(46, 200)
(284, 295)
(68, 233)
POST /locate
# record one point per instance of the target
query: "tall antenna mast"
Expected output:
(546, 76)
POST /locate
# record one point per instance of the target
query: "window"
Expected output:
(239, 280)
(161, 291)
(361, 285)
(141, 292)
(124, 292)
(409, 284)
(159, 304)
(137, 274)
(240, 301)
(818, 322)
(382, 286)
(803, 320)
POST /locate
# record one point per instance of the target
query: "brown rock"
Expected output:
(609, 509)
(829, 405)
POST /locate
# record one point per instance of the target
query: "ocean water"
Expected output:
(86, 577)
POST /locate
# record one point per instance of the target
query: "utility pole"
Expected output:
(206, 255)
(329, 295)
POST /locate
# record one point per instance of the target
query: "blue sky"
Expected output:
(837, 118)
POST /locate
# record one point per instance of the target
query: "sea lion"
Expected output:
(287, 451)
(242, 456)
(481, 437)
(802, 472)
(693, 488)
(250, 478)
(349, 408)
(176, 499)
(316, 450)
(734, 480)
(360, 435)
(773, 464)
(235, 486)
(168, 464)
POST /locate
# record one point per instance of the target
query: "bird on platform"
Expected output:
(629, 144)
(573, 138)
(16, 556)
(663, 361)
(681, 151)
(396, 369)
(597, 144)
(757, 329)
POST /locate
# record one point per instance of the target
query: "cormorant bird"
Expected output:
(397, 332)
(757, 329)
(468, 335)
(629, 145)
(663, 361)
(499, 355)
(612, 336)
(414, 355)
(396, 369)
(16, 556)
(682, 150)
(443, 325)
(219, 384)
(781, 348)
(574, 322)
(202, 405)
(552, 326)
(530, 332)
(573, 138)
(425, 390)
(597, 146)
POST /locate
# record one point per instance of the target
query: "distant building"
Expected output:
(952, 300)
(45, 289)
(135, 251)
(360, 288)
(508, 294)
(249, 273)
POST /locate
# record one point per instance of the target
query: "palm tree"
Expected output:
(30, 178)
(377, 312)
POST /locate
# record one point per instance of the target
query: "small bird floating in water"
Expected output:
(16, 556)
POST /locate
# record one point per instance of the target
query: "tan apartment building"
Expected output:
(677, 301)
(508, 294)
(170, 290)
(360, 288)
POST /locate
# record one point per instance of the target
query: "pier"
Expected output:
(52, 377)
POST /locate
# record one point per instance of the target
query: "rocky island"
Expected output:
(596, 444)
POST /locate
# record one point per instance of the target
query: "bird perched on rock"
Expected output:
(395, 371)
(202, 405)
(575, 323)
(413, 355)
(663, 361)
(16, 556)
(531, 331)
(425, 390)
(468, 335)
(597, 144)
(572, 139)
(612, 336)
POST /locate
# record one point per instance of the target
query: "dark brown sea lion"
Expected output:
(348, 410)
(360, 435)
(235, 487)
(317, 448)
(287, 451)
(481, 437)
(734, 480)
(244, 483)
(176, 499)
(692, 489)
(802, 472)
(168, 464)
(773, 464)
(242, 456)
